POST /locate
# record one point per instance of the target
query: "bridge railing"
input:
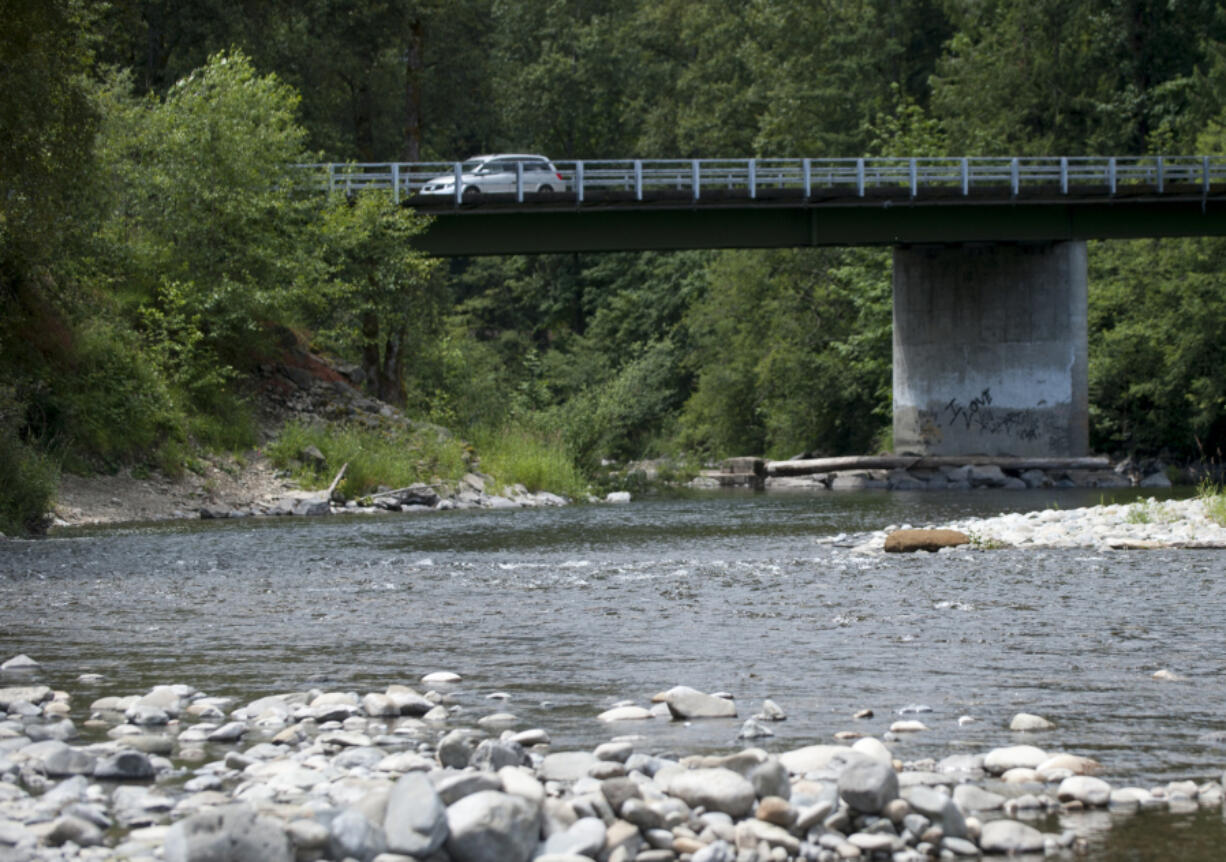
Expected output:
(716, 179)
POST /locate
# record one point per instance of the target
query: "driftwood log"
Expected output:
(807, 466)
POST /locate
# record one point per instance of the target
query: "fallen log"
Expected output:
(806, 466)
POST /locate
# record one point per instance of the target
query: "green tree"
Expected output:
(384, 298)
(792, 353)
(205, 235)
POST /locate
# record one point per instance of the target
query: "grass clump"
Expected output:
(538, 461)
(1213, 498)
(392, 457)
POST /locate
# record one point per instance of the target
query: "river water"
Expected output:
(572, 610)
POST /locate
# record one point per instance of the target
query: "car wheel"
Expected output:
(472, 193)
(545, 192)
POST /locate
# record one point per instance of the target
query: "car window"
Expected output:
(471, 165)
(498, 167)
(536, 167)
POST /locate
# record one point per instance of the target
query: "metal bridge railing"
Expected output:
(715, 179)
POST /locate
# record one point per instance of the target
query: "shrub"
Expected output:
(392, 457)
(28, 477)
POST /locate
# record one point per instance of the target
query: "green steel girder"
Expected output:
(537, 228)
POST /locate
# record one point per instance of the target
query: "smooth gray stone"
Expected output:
(416, 819)
(618, 790)
(62, 730)
(75, 829)
(59, 759)
(492, 755)
(456, 748)
(453, 788)
(353, 836)
(145, 714)
(959, 846)
(1010, 836)
(868, 785)
(359, 756)
(231, 833)
(568, 765)
(973, 798)
(719, 851)
(231, 731)
(125, 766)
(95, 814)
(492, 825)
(584, 837)
(714, 789)
(770, 778)
(642, 815)
(150, 743)
(35, 694)
(684, 702)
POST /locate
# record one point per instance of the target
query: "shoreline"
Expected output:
(405, 773)
(1145, 524)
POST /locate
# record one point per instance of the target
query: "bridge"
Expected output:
(990, 344)
(670, 204)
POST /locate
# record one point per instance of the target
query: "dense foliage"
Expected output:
(154, 241)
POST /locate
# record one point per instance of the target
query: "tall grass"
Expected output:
(391, 457)
(1213, 498)
(540, 461)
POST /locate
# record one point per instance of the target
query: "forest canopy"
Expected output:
(151, 246)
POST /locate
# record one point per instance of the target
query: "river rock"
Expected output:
(567, 765)
(492, 756)
(1010, 837)
(868, 785)
(65, 760)
(973, 798)
(1000, 760)
(441, 677)
(909, 541)
(233, 833)
(75, 830)
(714, 789)
(456, 748)
(352, 835)
(875, 749)
(408, 701)
(685, 703)
(20, 662)
(455, 786)
(818, 758)
(1086, 789)
(492, 825)
(35, 694)
(1025, 721)
(1062, 765)
(938, 808)
(125, 766)
(584, 837)
(770, 778)
(625, 713)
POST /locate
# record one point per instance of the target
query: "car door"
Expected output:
(498, 177)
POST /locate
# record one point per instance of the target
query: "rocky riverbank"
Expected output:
(1144, 524)
(407, 774)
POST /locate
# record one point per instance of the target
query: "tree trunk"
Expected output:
(413, 66)
(363, 121)
(391, 379)
(371, 365)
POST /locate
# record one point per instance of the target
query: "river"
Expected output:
(571, 610)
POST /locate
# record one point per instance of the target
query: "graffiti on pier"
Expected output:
(979, 414)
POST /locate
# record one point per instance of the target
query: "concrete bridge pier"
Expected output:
(990, 349)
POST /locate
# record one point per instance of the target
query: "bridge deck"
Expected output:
(763, 203)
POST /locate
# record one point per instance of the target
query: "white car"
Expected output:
(493, 175)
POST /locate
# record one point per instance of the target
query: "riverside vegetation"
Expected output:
(155, 246)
